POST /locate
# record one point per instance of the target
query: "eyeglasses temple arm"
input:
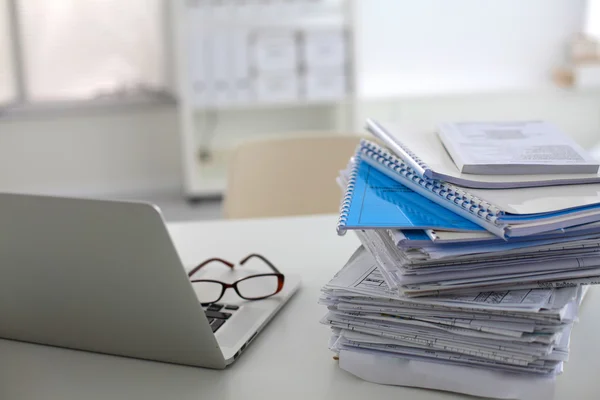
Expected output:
(262, 258)
(193, 271)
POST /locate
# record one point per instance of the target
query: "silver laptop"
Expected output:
(104, 276)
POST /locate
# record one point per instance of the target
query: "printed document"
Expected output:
(522, 147)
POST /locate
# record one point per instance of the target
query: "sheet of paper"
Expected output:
(397, 370)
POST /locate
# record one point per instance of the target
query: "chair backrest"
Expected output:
(282, 177)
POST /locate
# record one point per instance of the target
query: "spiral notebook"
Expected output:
(375, 201)
(441, 236)
(428, 158)
(505, 213)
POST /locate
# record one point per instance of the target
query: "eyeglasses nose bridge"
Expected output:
(226, 286)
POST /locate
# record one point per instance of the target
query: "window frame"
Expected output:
(20, 106)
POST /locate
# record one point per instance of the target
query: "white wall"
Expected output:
(126, 151)
(408, 47)
(98, 153)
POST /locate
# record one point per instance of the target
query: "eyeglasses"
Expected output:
(254, 287)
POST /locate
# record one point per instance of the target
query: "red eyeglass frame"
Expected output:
(225, 285)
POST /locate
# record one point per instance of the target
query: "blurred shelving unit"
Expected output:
(253, 68)
(402, 63)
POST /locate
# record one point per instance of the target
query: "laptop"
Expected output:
(104, 276)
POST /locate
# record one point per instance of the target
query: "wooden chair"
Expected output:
(284, 177)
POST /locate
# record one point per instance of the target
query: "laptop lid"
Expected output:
(101, 276)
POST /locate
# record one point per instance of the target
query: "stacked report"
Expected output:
(459, 289)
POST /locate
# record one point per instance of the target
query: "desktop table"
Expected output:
(289, 359)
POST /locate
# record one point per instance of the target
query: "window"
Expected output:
(592, 19)
(7, 79)
(83, 50)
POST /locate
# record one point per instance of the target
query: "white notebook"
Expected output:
(442, 236)
(426, 155)
(514, 147)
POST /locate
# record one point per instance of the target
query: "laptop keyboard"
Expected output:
(218, 314)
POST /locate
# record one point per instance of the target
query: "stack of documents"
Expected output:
(455, 278)
(511, 333)
(512, 330)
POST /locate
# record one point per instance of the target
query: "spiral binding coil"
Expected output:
(468, 202)
(347, 199)
(382, 133)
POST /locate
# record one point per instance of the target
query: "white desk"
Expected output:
(289, 359)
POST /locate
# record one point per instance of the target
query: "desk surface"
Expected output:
(289, 359)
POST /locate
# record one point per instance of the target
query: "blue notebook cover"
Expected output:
(375, 201)
(416, 235)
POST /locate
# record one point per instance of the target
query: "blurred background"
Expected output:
(147, 99)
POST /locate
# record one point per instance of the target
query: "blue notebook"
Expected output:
(375, 201)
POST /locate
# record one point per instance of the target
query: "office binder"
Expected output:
(505, 213)
(428, 158)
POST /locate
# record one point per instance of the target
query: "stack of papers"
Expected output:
(435, 290)
(439, 268)
(524, 331)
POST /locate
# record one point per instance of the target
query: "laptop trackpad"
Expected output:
(238, 329)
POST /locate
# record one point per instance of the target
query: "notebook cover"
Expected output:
(378, 201)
